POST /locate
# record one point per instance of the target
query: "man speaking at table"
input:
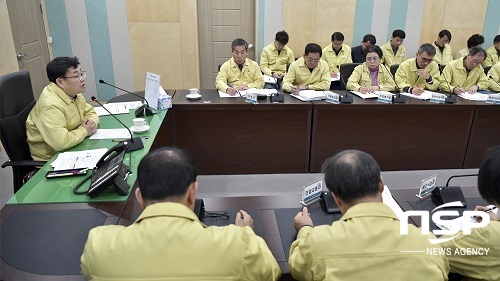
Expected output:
(61, 118)
(167, 241)
(365, 244)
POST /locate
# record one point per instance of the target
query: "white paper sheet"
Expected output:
(78, 159)
(102, 134)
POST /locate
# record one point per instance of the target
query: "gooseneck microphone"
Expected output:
(143, 110)
(135, 143)
(491, 77)
(345, 98)
(451, 98)
(398, 98)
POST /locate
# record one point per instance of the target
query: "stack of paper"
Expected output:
(426, 95)
(311, 95)
(269, 79)
(102, 134)
(117, 108)
(266, 92)
(78, 159)
(475, 97)
(365, 96)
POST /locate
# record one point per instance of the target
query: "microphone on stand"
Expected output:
(143, 110)
(451, 98)
(345, 98)
(135, 143)
(398, 98)
(491, 77)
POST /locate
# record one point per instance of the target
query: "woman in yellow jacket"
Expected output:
(371, 75)
(494, 78)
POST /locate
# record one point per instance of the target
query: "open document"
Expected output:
(102, 134)
(78, 159)
(365, 96)
(117, 108)
(243, 93)
(426, 95)
(475, 97)
(309, 95)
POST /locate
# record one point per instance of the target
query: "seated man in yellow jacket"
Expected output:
(494, 78)
(168, 241)
(308, 73)
(394, 51)
(420, 73)
(61, 118)
(336, 54)
(371, 75)
(366, 243)
(276, 56)
(465, 74)
(476, 40)
(483, 266)
(444, 53)
(239, 73)
(493, 53)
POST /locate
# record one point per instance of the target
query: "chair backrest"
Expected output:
(346, 70)
(486, 69)
(16, 102)
(394, 68)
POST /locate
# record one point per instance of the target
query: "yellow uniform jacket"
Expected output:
(334, 61)
(462, 53)
(299, 74)
(456, 75)
(249, 75)
(270, 61)
(443, 57)
(406, 76)
(54, 122)
(168, 242)
(495, 74)
(361, 77)
(492, 57)
(476, 266)
(365, 244)
(389, 58)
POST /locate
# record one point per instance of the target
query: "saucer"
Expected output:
(193, 96)
(144, 129)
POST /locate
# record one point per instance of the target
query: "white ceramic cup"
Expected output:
(194, 91)
(139, 123)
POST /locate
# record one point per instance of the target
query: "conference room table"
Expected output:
(64, 228)
(230, 136)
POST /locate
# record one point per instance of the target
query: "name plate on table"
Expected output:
(438, 98)
(312, 192)
(427, 186)
(493, 99)
(251, 98)
(332, 97)
(385, 97)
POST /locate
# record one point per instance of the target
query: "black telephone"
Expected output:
(109, 171)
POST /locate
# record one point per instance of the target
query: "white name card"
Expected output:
(438, 98)
(312, 192)
(493, 98)
(251, 98)
(427, 186)
(332, 97)
(385, 97)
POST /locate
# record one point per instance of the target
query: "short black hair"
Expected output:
(282, 37)
(475, 40)
(337, 36)
(476, 50)
(371, 38)
(313, 48)
(352, 175)
(399, 33)
(164, 173)
(239, 42)
(428, 48)
(488, 180)
(58, 67)
(496, 39)
(445, 32)
(373, 49)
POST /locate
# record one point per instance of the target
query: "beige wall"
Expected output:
(461, 17)
(163, 40)
(8, 61)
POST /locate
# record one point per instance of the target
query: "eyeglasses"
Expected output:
(313, 60)
(426, 59)
(80, 76)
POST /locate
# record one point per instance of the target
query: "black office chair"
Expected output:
(394, 68)
(16, 102)
(346, 70)
(441, 67)
(486, 69)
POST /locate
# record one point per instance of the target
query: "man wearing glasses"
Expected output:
(308, 72)
(465, 74)
(420, 73)
(61, 118)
